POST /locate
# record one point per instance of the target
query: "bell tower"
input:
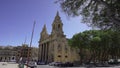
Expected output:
(57, 26)
(44, 33)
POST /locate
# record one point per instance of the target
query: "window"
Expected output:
(66, 56)
(0, 58)
(5, 58)
(59, 55)
(12, 58)
(58, 26)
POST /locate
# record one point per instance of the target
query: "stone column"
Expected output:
(48, 52)
(43, 55)
(44, 51)
(41, 52)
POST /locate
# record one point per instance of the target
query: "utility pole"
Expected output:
(28, 56)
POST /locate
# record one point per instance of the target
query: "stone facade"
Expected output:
(54, 47)
(22, 52)
(16, 53)
(7, 54)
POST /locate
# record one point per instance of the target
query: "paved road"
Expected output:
(15, 65)
(46, 66)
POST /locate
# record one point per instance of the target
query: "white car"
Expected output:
(52, 63)
(32, 64)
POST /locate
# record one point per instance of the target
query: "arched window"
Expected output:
(5, 58)
(58, 26)
(12, 58)
(59, 55)
(0, 58)
(66, 56)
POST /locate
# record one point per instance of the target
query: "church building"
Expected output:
(54, 47)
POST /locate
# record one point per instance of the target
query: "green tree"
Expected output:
(115, 45)
(101, 45)
(80, 42)
(105, 45)
(94, 45)
(104, 14)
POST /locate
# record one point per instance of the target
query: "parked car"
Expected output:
(32, 64)
(114, 61)
(55, 64)
(40, 63)
(51, 64)
(68, 64)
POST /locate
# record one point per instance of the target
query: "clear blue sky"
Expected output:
(17, 17)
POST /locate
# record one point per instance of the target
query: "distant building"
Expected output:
(7, 54)
(16, 53)
(54, 47)
(34, 53)
(22, 52)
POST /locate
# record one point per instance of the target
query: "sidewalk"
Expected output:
(8, 65)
